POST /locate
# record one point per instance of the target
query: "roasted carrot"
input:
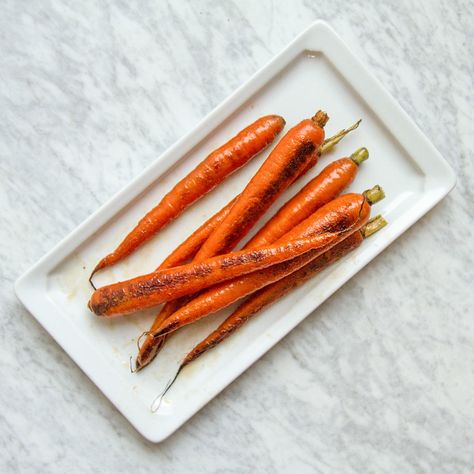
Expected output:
(150, 290)
(271, 293)
(298, 147)
(207, 175)
(344, 214)
(330, 182)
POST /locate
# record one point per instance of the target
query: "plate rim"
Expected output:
(319, 36)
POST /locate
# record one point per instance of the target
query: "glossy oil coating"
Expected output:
(294, 155)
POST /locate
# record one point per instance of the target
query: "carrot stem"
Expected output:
(331, 142)
(360, 155)
(373, 226)
(320, 118)
(374, 195)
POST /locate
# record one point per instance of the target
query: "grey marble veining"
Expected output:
(90, 93)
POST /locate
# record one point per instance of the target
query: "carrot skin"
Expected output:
(271, 293)
(152, 289)
(207, 175)
(350, 211)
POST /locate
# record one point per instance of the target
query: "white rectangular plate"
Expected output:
(315, 71)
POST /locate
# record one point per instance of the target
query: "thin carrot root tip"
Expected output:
(133, 370)
(331, 142)
(373, 226)
(155, 406)
(320, 118)
(374, 195)
(360, 155)
(90, 280)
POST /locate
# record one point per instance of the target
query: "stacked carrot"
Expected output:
(204, 274)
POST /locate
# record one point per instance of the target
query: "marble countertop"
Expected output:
(91, 92)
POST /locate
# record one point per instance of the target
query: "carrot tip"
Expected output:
(155, 406)
(90, 280)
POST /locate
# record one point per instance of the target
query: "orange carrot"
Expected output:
(150, 290)
(346, 213)
(332, 180)
(207, 175)
(271, 293)
(289, 158)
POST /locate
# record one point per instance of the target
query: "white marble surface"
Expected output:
(90, 93)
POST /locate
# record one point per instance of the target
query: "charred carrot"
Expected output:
(271, 293)
(344, 214)
(165, 285)
(298, 147)
(330, 182)
(207, 175)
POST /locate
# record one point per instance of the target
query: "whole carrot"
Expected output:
(152, 289)
(344, 214)
(298, 147)
(271, 293)
(207, 175)
(329, 183)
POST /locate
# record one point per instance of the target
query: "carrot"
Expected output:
(269, 294)
(207, 175)
(289, 158)
(150, 290)
(344, 214)
(330, 182)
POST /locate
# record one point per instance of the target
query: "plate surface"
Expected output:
(315, 71)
